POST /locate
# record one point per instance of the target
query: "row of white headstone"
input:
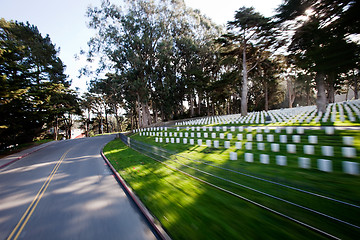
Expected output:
(303, 162)
(323, 164)
(312, 139)
(289, 115)
(348, 152)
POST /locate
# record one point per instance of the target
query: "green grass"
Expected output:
(189, 209)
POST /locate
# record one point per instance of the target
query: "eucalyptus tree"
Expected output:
(323, 34)
(248, 32)
(153, 48)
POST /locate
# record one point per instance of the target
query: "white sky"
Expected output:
(65, 22)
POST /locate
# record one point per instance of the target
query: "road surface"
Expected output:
(66, 191)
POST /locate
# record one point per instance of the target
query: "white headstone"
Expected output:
(259, 137)
(313, 139)
(210, 129)
(327, 151)
(241, 128)
(309, 149)
(300, 130)
(291, 148)
(348, 141)
(229, 136)
(156, 139)
(192, 134)
(175, 134)
(296, 138)
(177, 140)
(232, 129)
(283, 138)
(239, 137)
(289, 130)
(233, 156)
(249, 157)
(160, 140)
(217, 128)
(248, 145)
(348, 152)
(281, 160)
(198, 135)
(199, 142)
(238, 145)
(221, 135)
(249, 137)
(204, 128)
(170, 134)
(329, 130)
(172, 140)
(277, 130)
(216, 143)
(261, 146)
(270, 138)
(324, 165)
(304, 162)
(351, 167)
(227, 144)
(206, 135)
(275, 147)
(192, 141)
(167, 140)
(264, 158)
(213, 135)
(198, 128)
(267, 130)
(208, 143)
(177, 129)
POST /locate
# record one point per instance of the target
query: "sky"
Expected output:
(66, 23)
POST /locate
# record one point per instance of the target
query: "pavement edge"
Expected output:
(149, 217)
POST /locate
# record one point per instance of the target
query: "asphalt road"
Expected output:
(66, 191)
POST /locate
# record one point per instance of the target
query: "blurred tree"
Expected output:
(32, 79)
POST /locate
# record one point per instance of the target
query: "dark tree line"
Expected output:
(34, 91)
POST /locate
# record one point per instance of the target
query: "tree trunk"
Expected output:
(56, 128)
(266, 96)
(356, 86)
(291, 94)
(138, 113)
(208, 106)
(331, 88)
(191, 105)
(244, 89)
(199, 105)
(321, 100)
(107, 121)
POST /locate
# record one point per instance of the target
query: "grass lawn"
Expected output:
(190, 209)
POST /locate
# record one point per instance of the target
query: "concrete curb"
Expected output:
(156, 226)
(27, 154)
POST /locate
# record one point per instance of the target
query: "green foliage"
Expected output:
(34, 89)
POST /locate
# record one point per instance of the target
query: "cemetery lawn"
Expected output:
(190, 209)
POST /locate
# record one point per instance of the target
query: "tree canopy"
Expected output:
(34, 90)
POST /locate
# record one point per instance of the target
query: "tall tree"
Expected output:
(250, 31)
(32, 76)
(323, 32)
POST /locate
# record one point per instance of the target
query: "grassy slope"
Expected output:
(189, 209)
